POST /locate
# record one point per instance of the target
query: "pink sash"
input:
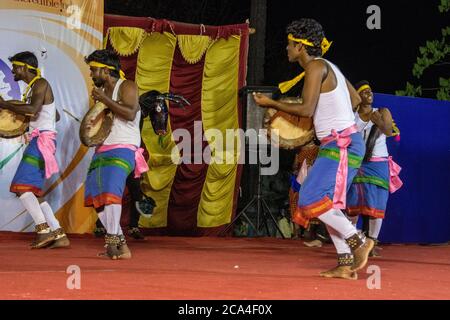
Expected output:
(141, 165)
(395, 182)
(343, 140)
(47, 146)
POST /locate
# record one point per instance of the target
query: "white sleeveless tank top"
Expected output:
(334, 109)
(46, 118)
(123, 131)
(380, 149)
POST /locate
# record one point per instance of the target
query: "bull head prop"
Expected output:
(154, 105)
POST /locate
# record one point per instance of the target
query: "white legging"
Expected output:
(339, 222)
(374, 225)
(338, 241)
(110, 218)
(375, 228)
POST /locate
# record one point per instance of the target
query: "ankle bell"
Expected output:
(112, 239)
(41, 227)
(355, 241)
(345, 260)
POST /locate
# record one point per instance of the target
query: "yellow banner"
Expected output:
(60, 33)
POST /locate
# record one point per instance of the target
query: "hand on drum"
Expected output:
(263, 101)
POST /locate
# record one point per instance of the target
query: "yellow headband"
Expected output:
(288, 85)
(38, 76)
(364, 87)
(21, 64)
(325, 45)
(101, 65)
(303, 41)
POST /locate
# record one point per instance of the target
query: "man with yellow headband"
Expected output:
(38, 162)
(329, 99)
(119, 155)
(378, 174)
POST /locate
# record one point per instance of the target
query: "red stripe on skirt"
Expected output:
(23, 188)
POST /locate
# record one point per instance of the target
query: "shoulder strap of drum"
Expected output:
(375, 133)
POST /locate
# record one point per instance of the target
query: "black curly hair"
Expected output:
(361, 83)
(26, 57)
(107, 57)
(310, 30)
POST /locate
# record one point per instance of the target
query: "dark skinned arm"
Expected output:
(383, 120)
(354, 96)
(128, 105)
(37, 101)
(315, 73)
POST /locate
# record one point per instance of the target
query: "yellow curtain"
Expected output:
(126, 40)
(193, 47)
(220, 112)
(153, 73)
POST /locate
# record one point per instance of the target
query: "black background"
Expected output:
(384, 57)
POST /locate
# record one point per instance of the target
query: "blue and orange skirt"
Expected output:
(369, 193)
(317, 192)
(30, 175)
(107, 175)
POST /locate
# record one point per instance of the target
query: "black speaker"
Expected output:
(253, 118)
(253, 115)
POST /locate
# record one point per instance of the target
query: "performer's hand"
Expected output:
(376, 118)
(98, 94)
(262, 100)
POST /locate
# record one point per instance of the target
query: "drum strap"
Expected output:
(28, 88)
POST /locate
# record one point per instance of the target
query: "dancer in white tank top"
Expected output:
(328, 98)
(369, 192)
(38, 162)
(120, 153)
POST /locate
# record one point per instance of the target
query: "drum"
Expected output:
(292, 131)
(96, 125)
(12, 124)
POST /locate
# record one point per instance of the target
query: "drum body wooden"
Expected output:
(96, 125)
(12, 124)
(292, 131)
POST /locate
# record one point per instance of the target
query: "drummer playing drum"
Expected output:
(119, 154)
(327, 98)
(38, 162)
